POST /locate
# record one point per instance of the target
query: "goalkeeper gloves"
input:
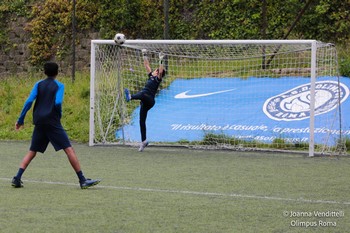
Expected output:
(144, 54)
(161, 57)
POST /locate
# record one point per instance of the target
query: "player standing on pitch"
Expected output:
(147, 94)
(48, 95)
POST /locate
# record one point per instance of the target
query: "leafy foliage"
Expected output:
(327, 20)
(225, 20)
(51, 27)
(7, 9)
(50, 23)
(344, 60)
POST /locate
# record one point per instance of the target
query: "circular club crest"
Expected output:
(294, 104)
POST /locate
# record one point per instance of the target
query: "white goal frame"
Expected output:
(313, 72)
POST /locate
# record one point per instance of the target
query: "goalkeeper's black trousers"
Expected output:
(147, 102)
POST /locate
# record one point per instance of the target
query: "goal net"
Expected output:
(226, 94)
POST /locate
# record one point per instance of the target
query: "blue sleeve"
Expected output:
(59, 97)
(60, 93)
(28, 104)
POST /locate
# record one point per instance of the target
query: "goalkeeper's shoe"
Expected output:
(88, 183)
(143, 146)
(17, 183)
(127, 94)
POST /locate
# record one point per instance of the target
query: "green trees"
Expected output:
(328, 20)
(51, 27)
(325, 20)
(8, 7)
(50, 21)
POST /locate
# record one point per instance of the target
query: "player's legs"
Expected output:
(16, 181)
(39, 143)
(59, 139)
(73, 158)
(146, 104)
(27, 159)
(138, 96)
(143, 117)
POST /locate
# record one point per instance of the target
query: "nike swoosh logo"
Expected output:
(184, 95)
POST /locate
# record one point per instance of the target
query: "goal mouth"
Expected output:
(263, 95)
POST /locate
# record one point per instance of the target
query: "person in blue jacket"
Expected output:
(47, 112)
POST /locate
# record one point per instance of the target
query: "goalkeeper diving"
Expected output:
(147, 94)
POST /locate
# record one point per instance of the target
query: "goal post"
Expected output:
(226, 94)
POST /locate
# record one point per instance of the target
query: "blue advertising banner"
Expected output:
(260, 109)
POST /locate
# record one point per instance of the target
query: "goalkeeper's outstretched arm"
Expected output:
(146, 61)
(161, 65)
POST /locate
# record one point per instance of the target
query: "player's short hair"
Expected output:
(163, 73)
(51, 69)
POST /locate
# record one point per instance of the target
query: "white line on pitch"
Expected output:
(197, 193)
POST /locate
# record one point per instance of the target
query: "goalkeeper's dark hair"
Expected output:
(163, 73)
(51, 69)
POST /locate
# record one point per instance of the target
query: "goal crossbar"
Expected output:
(131, 42)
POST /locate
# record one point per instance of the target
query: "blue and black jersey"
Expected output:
(152, 84)
(48, 96)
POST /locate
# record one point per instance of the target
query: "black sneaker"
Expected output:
(17, 183)
(88, 183)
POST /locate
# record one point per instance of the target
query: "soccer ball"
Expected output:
(119, 38)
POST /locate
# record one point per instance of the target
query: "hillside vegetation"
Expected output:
(50, 22)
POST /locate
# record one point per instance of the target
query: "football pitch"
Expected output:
(174, 190)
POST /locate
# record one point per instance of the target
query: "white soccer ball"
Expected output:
(119, 38)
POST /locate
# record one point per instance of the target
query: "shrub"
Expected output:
(344, 59)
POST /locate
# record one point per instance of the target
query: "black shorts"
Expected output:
(43, 134)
